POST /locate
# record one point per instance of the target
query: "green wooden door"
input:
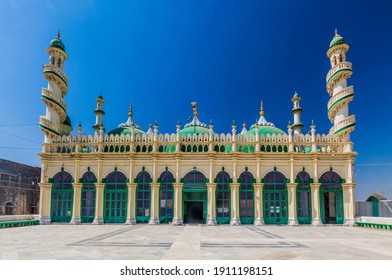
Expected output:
(304, 212)
(115, 197)
(246, 197)
(62, 197)
(143, 197)
(166, 197)
(275, 198)
(331, 198)
(223, 197)
(88, 197)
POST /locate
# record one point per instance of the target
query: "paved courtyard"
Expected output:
(149, 242)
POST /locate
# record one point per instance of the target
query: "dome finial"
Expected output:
(58, 34)
(261, 109)
(194, 107)
(336, 31)
(130, 114)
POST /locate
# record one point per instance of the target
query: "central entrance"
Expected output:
(194, 198)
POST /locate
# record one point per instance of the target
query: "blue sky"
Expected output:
(226, 55)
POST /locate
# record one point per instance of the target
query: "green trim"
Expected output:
(48, 71)
(374, 225)
(348, 126)
(339, 218)
(54, 101)
(345, 69)
(299, 109)
(339, 100)
(47, 128)
(21, 223)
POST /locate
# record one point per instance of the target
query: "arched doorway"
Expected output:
(246, 193)
(88, 197)
(116, 197)
(194, 197)
(331, 198)
(166, 197)
(62, 197)
(222, 195)
(275, 198)
(9, 207)
(143, 194)
(304, 213)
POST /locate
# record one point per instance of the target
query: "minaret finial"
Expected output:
(130, 114)
(261, 109)
(58, 34)
(336, 31)
(194, 107)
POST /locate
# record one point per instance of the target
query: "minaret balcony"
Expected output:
(56, 74)
(339, 100)
(340, 67)
(345, 126)
(49, 126)
(55, 102)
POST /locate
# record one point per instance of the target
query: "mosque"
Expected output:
(264, 175)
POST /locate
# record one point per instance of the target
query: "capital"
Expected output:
(178, 185)
(131, 185)
(45, 185)
(258, 186)
(99, 185)
(349, 185)
(155, 185)
(211, 185)
(292, 185)
(234, 185)
(77, 185)
(315, 186)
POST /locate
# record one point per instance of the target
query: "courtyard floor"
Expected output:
(198, 242)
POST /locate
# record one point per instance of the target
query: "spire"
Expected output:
(130, 114)
(244, 130)
(194, 107)
(58, 34)
(336, 31)
(261, 109)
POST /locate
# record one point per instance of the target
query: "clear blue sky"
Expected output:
(226, 55)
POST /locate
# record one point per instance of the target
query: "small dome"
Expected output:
(125, 131)
(194, 129)
(336, 40)
(56, 43)
(67, 121)
(264, 130)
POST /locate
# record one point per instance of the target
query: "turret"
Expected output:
(296, 111)
(341, 95)
(56, 121)
(98, 115)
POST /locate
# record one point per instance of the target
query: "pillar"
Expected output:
(177, 219)
(292, 197)
(315, 187)
(211, 216)
(131, 204)
(76, 204)
(98, 220)
(235, 213)
(44, 203)
(349, 201)
(259, 217)
(154, 204)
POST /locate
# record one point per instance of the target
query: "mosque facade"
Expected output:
(264, 175)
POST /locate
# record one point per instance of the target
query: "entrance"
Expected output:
(195, 207)
(194, 193)
(331, 198)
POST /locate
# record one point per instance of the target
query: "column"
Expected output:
(98, 220)
(292, 197)
(315, 187)
(154, 204)
(44, 203)
(177, 219)
(76, 204)
(235, 213)
(259, 217)
(131, 204)
(348, 196)
(211, 216)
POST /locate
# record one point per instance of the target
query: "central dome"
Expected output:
(264, 126)
(194, 126)
(125, 128)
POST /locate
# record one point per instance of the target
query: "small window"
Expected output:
(9, 208)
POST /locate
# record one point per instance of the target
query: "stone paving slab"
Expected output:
(200, 242)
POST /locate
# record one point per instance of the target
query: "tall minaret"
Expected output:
(296, 111)
(341, 95)
(98, 115)
(55, 122)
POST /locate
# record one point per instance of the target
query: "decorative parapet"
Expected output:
(55, 102)
(339, 100)
(347, 125)
(54, 73)
(49, 127)
(166, 143)
(343, 69)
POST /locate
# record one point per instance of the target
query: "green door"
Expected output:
(62, 197)
(275, 198)
(115, 197)
(88, 197)
(331, 198)
(194, 197)
(166, 197)
(304, 212)
(246, 195)
(143, 192)
(223, 198)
